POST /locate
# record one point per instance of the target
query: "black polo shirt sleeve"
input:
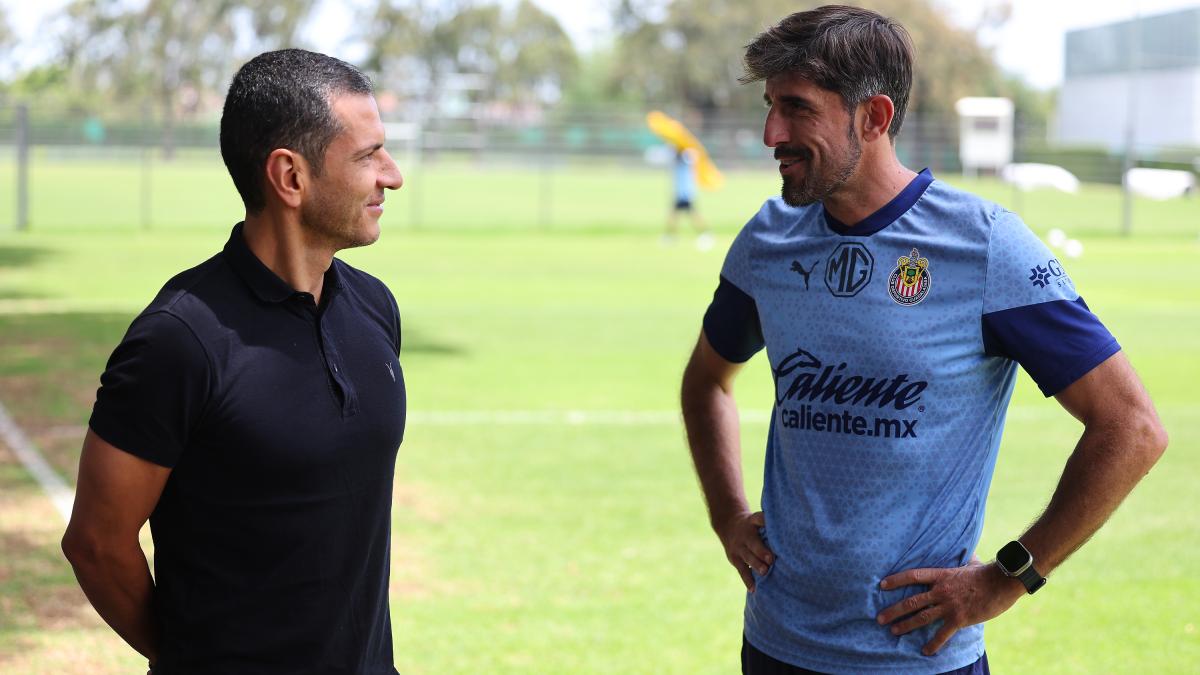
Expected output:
(153, 390)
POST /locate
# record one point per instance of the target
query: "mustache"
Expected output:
(784, 152)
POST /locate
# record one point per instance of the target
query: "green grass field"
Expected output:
(560, 543)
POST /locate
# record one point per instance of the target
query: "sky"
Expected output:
(1030, 44)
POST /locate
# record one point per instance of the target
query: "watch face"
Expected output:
(1013, 557)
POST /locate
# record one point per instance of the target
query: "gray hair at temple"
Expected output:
(848, 50)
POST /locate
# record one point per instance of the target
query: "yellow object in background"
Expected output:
(675, 134)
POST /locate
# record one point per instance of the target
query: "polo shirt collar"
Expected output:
(262, 281)
(888, 213)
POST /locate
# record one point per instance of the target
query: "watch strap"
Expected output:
(1031, 579)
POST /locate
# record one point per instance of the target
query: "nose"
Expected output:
(775, 131)
(389, 175)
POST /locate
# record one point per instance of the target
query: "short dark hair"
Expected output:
(282, 99)
(848, 50)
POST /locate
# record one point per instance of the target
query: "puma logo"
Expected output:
(799, 269)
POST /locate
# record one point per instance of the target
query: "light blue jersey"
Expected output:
(894, 346)
(684, 177)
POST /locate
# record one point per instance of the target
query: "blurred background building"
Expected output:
(1144, 71)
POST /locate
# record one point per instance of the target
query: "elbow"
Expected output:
(74, 547)
(1157, 439)
(81, 549)
(1152, 439)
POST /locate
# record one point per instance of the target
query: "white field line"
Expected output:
(55, 487)
(63, 496)
(628, 418)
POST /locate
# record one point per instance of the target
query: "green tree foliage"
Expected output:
(171, 52)
(690, 51)
(538, 56)
(520, 55)
(7, 39)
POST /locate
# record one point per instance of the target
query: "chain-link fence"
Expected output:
(131, 172)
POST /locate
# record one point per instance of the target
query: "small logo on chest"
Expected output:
(799, 269)
(909, 283)
(390, 371)
(848, 269)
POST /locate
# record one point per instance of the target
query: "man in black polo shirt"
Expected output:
(253, 411)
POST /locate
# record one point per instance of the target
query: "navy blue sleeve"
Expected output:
(153, 390)
(731, 323)
(1056, 342)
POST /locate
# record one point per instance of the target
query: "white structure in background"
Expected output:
(1032, 176)
(1160, 183)
(985, 134)
(1160, 56)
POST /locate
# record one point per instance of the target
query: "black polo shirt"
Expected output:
(281, 421)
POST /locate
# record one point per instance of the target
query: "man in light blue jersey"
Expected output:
(894, 310)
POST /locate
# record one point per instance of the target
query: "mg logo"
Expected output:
(849, 269)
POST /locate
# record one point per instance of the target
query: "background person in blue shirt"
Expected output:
(683, 184)
(894, 310)
(253, 410)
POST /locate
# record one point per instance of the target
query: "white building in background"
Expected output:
(1155, 59)
(985, 134)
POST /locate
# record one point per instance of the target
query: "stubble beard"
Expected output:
(335, 221)
(814, 187)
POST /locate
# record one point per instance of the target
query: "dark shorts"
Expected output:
(683, 205)
(755, 662)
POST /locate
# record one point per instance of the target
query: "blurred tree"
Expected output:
(690, 51)
(519, 55)
(589, 89)
(538, 59)
(171, 52)
(414, 44)
(7, 38)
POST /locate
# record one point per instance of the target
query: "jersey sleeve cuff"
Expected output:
(732, 325)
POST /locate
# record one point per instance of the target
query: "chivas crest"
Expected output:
(909, 283)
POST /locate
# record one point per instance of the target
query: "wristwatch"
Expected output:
(1016, 561)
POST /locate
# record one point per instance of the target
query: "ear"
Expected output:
(878, 112)
(287, 176)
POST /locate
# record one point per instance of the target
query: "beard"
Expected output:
(337, 220)
(815, 186)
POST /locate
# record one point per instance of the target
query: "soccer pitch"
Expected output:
(546, 516)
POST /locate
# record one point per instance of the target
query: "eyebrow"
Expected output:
(364, 151)
(798, 101)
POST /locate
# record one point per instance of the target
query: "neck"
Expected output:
(286, 248)
(876, 182)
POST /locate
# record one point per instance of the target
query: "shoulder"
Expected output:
(777, 220)
(964, 207)
(186, 297)
(363, 284)
(370, 298)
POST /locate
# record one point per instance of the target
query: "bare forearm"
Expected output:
(711, 418)
(120, 588)
(1104, 468)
